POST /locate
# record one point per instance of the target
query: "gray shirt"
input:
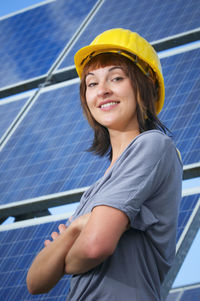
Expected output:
(144, 183)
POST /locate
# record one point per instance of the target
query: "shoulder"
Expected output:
(154, 136)
(153, 142)
(148, 149)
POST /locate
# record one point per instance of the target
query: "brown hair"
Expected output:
(146, 92)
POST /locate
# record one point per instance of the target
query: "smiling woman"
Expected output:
(111, 76)
(120, 243)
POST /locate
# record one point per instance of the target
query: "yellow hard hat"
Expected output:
(129, 44)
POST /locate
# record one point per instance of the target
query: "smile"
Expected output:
(108, 104)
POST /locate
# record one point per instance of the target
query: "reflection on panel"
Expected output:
(154, 20)
(31, 41)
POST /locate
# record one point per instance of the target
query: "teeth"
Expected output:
(109, 104)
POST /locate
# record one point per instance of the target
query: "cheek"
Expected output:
(89, 100)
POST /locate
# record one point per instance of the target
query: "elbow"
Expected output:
(32, 290)
(33, 286)
(98, 252)
(89, 256)
(30, 286)
(95, 250)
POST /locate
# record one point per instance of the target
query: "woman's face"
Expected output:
(111, 99)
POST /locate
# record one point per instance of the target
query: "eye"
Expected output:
(117, 78)
(91, 84)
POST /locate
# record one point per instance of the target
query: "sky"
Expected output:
(189, 272)
(11, 6)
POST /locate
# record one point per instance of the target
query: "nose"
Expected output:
(103, 90)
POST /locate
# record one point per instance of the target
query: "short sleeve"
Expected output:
(137, 177)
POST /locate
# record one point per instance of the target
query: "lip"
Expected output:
(106, 102)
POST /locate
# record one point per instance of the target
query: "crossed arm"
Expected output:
(87, 242)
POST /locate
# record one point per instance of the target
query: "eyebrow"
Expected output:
(109, 70)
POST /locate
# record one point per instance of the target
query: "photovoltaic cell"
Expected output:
(46, 154)
(8, 112)
(18, 247)
(154, 20)
(182, 105)
(31, 41)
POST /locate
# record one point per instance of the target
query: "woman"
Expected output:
(121, 241)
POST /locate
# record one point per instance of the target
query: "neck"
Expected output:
(120, 140)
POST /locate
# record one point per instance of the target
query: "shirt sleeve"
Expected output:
(137, 177)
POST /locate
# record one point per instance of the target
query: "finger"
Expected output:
(54, 235)
(62, 228)
(47, 242)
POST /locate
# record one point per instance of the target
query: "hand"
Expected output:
(54, 234)
(81, 221)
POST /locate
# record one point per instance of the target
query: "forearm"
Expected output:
(49, 265)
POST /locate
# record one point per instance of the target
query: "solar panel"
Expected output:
(188, 225)
(46, 154)
(188, 204)
(182, 106)
(31, 41)
(9, 110)
(18, 249)
(191, 295)
(188, 293)
(19, 244)
(154, 20)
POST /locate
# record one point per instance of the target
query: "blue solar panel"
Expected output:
(187, 206)
(8, 112)
(31, 41)
(154, 20)
(46, 154)
(19, 246)
(191, 293)
(182, 105)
